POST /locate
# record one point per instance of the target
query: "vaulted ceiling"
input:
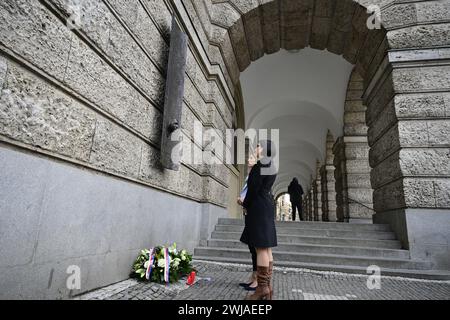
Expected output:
(302, 94)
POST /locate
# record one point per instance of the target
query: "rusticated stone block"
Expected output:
(351, 118)
(358, 180)
(356, 130)
(423, 162)
(244, 6)
(296, 18)
(239, 42)
(404, 134)
(399, 15)
(216, 58)
(424, 105)
(161, 13)
(378, 99)
(90, 76)
(361, 195)
(429, 35)
(423, 78)
(229, 56)
(213, 191)
(446, 96)
(356, 151)
(385, 146)
(356, 85)
(419, 193)
(139, 21)
(271, 26)
(35, 34)
(197, 22)
(433, 11)
(253, 32)
(387, 119)
(355, 106)
(100, 25)
(320, 31)
(379, 61)
(353, 94)
(324, 8)
(389, 197)
(358, 211)
(116, 150)
(221, 104)
(196, 73)
(224, 15)
(152, 172)
(439, 132)
(38, 114)
(358, 166)
(442, 192)
(3, 71)
(195, 100)
(373, 41)
(336, 41)
(386, 171)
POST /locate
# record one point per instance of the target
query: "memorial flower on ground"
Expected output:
(179, 262)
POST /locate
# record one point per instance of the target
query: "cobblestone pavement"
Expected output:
(216, 281)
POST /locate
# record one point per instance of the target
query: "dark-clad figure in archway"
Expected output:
(295, 191)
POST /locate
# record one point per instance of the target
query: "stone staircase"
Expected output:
(339, 247)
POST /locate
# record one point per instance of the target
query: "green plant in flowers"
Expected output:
(180, 264)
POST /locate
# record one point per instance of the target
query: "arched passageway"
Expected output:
(396, 95)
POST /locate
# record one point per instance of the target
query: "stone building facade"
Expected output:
(81, 105)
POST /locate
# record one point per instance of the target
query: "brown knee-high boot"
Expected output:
(262, 291)
(270, 279)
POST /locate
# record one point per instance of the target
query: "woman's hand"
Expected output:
(240, 201)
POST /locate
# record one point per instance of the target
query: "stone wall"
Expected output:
(106, 80)
(407, 113)
(89, 96)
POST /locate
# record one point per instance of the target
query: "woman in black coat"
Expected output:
(259, 231)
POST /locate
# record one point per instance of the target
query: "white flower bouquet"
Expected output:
(162, 264)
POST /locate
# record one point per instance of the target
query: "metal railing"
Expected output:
(350, 200)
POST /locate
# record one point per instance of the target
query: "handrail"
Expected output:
(357, 202)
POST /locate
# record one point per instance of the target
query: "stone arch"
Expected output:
(246, 30)
(398, 113)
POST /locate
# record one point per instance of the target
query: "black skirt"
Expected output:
(259, 230)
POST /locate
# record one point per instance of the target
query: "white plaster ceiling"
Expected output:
(302, 94)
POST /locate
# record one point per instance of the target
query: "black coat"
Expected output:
(295, 191)
(259, 231)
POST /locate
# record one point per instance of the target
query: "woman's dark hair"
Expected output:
(268, 147)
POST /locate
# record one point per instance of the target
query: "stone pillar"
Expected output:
(310, 205)
(340, 174)
(351, 159)
(408, 105)
(328, 183)
(324, 193)
(317, 194)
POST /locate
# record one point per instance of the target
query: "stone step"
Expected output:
(352, 242)
(405, 273)
(315, 225)
(328, 259)
(319, 249)
(327, 233)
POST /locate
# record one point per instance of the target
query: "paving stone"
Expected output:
(218, 281)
